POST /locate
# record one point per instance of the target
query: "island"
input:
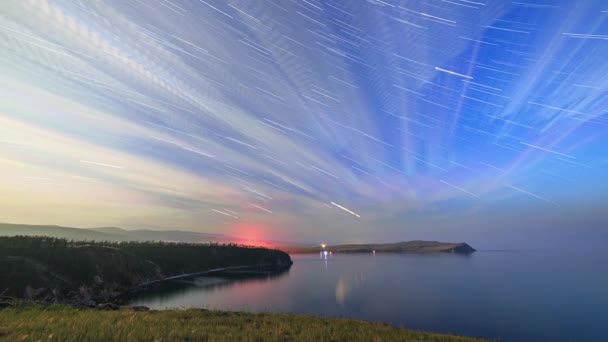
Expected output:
(417, 246)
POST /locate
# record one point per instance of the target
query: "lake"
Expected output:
(506, 295)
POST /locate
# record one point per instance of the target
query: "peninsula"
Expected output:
(417, 246)
(85, 273)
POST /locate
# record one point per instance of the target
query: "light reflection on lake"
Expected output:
(515, 296)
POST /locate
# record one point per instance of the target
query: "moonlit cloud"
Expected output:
(209, 115)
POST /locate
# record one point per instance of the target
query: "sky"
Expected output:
(309, 120)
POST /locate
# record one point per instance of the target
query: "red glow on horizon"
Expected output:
(251, 233)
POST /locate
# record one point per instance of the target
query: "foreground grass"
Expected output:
(59, 323)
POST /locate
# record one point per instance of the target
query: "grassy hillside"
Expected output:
(57, 323)
(399, 247)
(42, 266)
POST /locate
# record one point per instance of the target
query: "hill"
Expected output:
(418, 246)
(8, 229)
(109, 234)
(164, 235)
(58, 269)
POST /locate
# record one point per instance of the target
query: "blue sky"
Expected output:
(354, 121)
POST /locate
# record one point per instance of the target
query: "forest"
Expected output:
(55, 268)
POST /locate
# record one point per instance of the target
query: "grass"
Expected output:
(61, 323)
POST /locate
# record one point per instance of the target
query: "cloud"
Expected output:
(169, 114)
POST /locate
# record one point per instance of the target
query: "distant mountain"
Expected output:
(119, 234)
(109, 230)
(164, 235)
(110, 234)
(417, 246)
(7, 229)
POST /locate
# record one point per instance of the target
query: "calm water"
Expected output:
(511, 296)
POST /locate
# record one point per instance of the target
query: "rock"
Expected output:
(107, 306)
(32, 293)
(88, 303)
(138, 308)
(463, 248)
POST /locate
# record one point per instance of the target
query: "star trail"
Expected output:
(212, 115)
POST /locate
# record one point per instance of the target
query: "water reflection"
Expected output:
(168, 294)
(342, 289)
(509, 296)
(325, 255)
(348, 285)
